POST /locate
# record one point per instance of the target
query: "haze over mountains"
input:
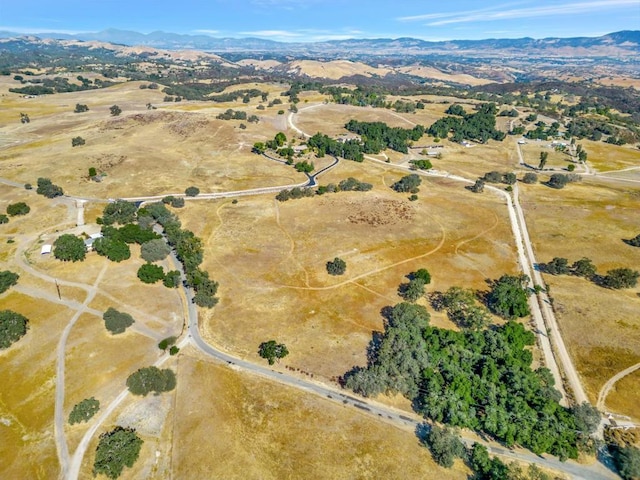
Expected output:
(618, 44)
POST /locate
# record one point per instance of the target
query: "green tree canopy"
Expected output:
(151, 379)
(69, 248)
(8, 279)
(445, 445)
(337, 266)
(150, 273)
(83, 411)
(13, 327)
(628, 462)
(620, 278)
(192, 191)
(115, 321)
(48, 189)
(508, 296)
(154, 250)
(116, 449)
(272, 351)
(408, 183)
(120, 211)
(114, 249)
(19, 208)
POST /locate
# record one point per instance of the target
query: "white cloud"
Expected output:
(500, 13)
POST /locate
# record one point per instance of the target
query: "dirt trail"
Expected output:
(606, 388)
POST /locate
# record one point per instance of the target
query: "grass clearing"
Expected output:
(587, 220)
(255, 429)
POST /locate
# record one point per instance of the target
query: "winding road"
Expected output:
(542, 313)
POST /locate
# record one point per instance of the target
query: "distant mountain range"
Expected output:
(618, 44)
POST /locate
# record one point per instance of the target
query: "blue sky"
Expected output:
(315, 20)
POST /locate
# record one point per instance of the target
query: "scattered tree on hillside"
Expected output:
(48, 189)
(408, 183)
(543, 160)
(8, 279)
(508, 296)
(423, 274)
(337, 266)
(477, 187)
(116, 322)
(412, 290)
(304, 167)
(192, 191)
(19, 208)
(80, 108)
(530, 178)
(557, 266)
(620, 278)
(84, 410)
(24, 118)
(3, 219)
(116, 449)
(583, 268)
(634, 242)
(68, 247)
(558, 181)
(77, 141)
(272, 351)
(151, 379)
(115, 110)
(13, 326)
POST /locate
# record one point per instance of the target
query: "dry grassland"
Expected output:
(27, 401)
(270, 259)
(619, 399)
(531, 155)
(604, 157)
(600, 326)
(255, 429)
(142, 152)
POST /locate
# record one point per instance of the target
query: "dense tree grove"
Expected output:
(116, 449)
(445, 445)
(120, 211)
(151, 379)
(628, 462)
(84, 410)
(476, 379)
(463, 309)
(620, 278)
(324, 145)
(13, 327)
(189, 251)
(116, 322)
(114, 249)
(8, 279)
(378, 136)
(295, 193)
(479, 126)
(69, 248)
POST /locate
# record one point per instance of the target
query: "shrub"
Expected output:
(115, 110)
(116, 322)
(13, 327)
(530, 178)
(80, 108)
(336, 267)
(177, 202)
(3, 218)
(166, 343)
(192, 191)
(83, 411)
(77, 141)
(92, 172)
(174, 350)
(558, 181)
(19, 208)
(171, 279)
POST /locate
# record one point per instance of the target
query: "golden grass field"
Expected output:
(600, 326)
(269, 258)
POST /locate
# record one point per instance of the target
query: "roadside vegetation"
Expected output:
(84, 411)
(116, 449)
